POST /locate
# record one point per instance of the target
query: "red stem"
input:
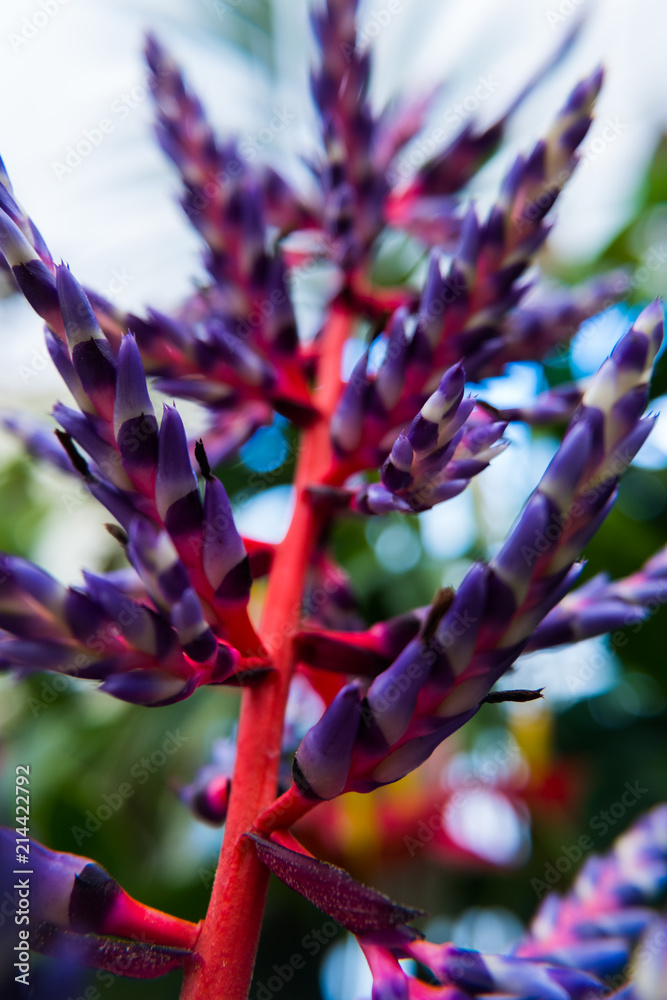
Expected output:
(131, 919)
(284, 812)
(230, 933)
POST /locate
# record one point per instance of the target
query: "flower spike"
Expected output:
(440, 680)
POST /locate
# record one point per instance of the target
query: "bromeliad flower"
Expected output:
(188, 554)
(385, 697)
(363, 183)
(371, 735)
(597, 607)
(249, 340)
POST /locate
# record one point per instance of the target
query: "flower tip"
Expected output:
(173, 437)
(453, 381)
(143, 534)
(132, 388)
(596, 80)
(584, 94)
(469, 238)
(171, 425)
(153, 51)
(592, 85)
(77, 312)
(14, 247)
(64, 277)
(650, 322)
(402, 453)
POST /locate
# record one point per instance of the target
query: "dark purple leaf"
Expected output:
(132, 959)
(355, 906)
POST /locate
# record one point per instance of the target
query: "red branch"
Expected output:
(284, 812)
(228, 941)
(131, 919)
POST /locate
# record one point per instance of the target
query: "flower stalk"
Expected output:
(228, 940)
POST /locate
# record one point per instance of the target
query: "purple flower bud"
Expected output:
(176, 490)
(468, 248)
(391, 374)
(83, 430)
(156, 561)
(89, 349)
(32, 275)
(135, 426)
(224, 557)
(194, 633)
(61, 359)
(322, 762)
(347, 422)
(148, 687)
(392, 697)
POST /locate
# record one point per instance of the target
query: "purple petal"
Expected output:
(194, 633)
(32, 276)
(568, 464)
(135, 425)
(176, 490)
(347, 421)
(516, 560)
(469, 240)
(148, 687)
(391, 375)
(222, 547)
(139, 626)
(392, 696)
(89, 349)
(322, 762)
(63, 363)
(82, 428)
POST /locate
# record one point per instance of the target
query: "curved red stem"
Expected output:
(228, 941)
